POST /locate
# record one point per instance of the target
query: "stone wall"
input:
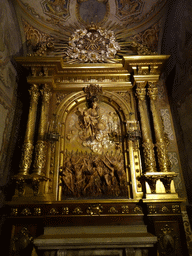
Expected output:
(177, 42)
(10, 46)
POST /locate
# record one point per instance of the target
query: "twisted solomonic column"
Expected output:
(27, 149)
(148, 147)
(41, 146)
(163, 160)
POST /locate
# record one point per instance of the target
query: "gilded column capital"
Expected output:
(34, 92)
(140, 93)
(152, 91)
(34, 71)
(141, 90)
(46, 93)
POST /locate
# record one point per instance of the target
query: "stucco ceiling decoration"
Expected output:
(59, 19)
(38, 43)
(128, 10)
(91, 44)
(149, 37)
(132, 13)
(56, 9)
(57, 14)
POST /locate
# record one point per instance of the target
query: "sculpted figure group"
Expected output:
(89, 122)
(91, 175)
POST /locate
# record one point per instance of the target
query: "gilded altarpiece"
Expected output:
(95, 176)
(99, 156)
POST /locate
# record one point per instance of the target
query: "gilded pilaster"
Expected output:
(148, 147)
(41, 146)
(163, 160)
(27, 149)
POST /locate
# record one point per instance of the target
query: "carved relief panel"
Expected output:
(93, 161)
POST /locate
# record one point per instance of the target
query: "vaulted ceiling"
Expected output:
(140, 21)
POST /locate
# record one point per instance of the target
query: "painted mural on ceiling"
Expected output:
(53, 23)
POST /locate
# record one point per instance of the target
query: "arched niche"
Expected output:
(92, 156)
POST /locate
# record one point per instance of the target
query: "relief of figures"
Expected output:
(128, 9)
(96, 127)
(91, 175)
(58, 8)
(97, 168)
